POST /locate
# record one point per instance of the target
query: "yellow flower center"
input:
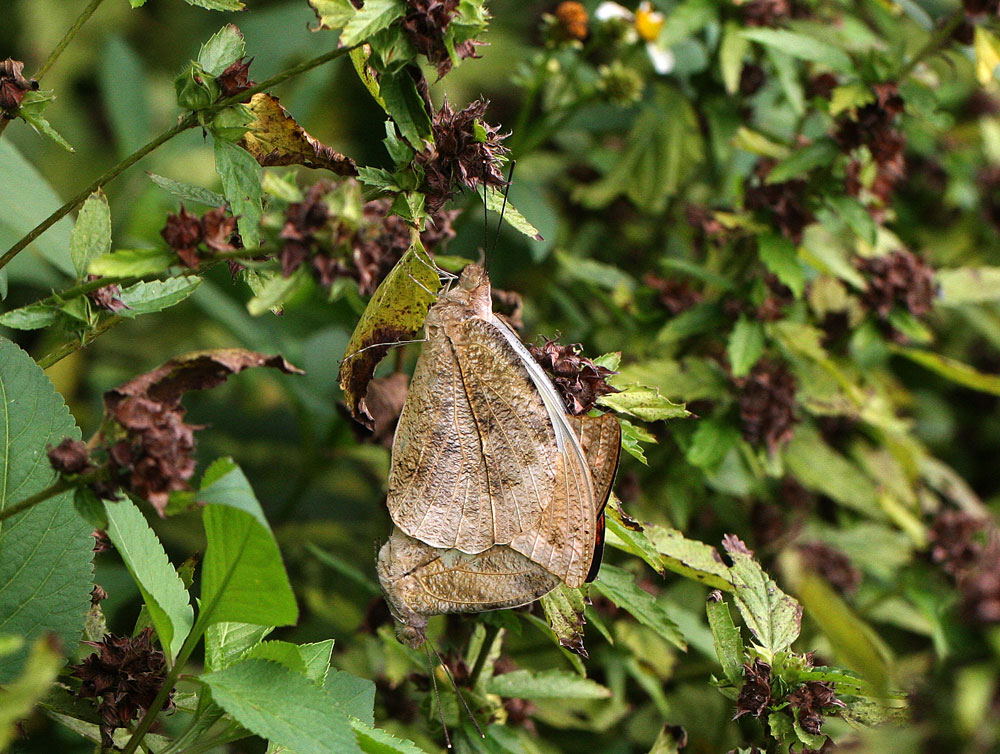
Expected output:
(648, 22)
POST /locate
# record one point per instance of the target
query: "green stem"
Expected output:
(938, 41)
(71, 346)
(56, 488)
(67, 38)
(484, 652)
(188, 121)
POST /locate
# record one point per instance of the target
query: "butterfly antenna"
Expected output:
(461, 697)
(503, 207)
(437, 696)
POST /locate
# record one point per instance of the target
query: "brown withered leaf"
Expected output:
(275, 138)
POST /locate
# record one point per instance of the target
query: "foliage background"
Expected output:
(321, 488)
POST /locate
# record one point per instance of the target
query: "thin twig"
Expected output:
(56, 488)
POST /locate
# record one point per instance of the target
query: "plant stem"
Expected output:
(54, 55)
(57, 487)
(938, 40)
(71, 346)
(188, 121)
(484, 652)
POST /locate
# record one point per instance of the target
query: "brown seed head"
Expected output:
(784, 201)
(13, 85)
(426, 25)
(767, 405)
(235, 79)
(572, 20)
(755, 694)
(576, 378)
(832, 564)
(900, 278)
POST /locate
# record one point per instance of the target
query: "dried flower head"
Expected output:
(874, 126)
(832, 564)
(900, 278)
(426, 25)
(810, 700)
(70, 457)
(183, 234)
(755, 694)
(979, 585)
(13, 86)
(767, 405)
(467, 151)
(578, 379)
(572, 20)
(675, 296)
(126, 673)
(236, 78)
(784, 201)
(952, 539)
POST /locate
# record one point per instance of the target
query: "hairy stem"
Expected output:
(188, 121)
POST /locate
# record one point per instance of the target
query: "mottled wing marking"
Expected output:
(601, 439)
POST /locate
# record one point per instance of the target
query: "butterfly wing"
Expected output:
(475, 457)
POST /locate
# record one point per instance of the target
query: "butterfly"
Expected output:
(496, 494)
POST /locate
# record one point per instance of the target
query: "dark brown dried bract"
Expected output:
(952, 539)
(755, 694)
(69, 457)
(675, 296)
(784, 200)
(577, 379)
(236, 78)
(218, 229)
(106, 297)
(832, 564)
(156, 455)
(426, 23)
(874, 126)
(811, 699)
(900, 278)
(457, 157)
(571, 19)
(126, 673)
(767, 405)
(752, 78)
(183, 233)
(979, 585)
(13, 86)
(770, 12)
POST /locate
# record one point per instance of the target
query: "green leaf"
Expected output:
(732, 48)
(778, 254)
(243, 578)
(632, 435)
(31, 111)
(372, 17)
(643, 402)
(564, 609)
(333, 14)
(45, 572)
(406, 107)
(727, 639)
(162, 591)
(221, 50)
(711, 442)
(240, 176)
(132, 262)
(226, 642)
(22, 695)
(987, 47)
(511, 216)
(669, 741)
(222, 5)
(282, 652)
(799, 163)
(746, 345)
(803, 47)
(21, 210)
(628, 535)
(91, 236)
(395, 313)
(774, 618)
(157, 295)
(969, 285)
(125, 93)
(188, 192)
(618, 586)
(377, 741)
(850, 96)
(356, 696)
(30, 317)
(276, 290)
(951, 369)
(855, 216)
(283, 707)
(690, 558)
(545, 684)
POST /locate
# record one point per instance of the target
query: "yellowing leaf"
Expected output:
(987, 48)
(274, 138)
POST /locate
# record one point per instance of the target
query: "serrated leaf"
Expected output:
(511, 216)
(377, 741)
(727, 640)
(356, 696)
(799, 163)
(690, 558)
(371, 18)
(308, 719)
(803, 47)
(46, 570)
(30, 317)
(855, 216)
(774, 618)
(282, 652)
(275, 290)
(22, 695)
(163, 593)
(243, 578)
(240, 175)
(221, 5)
(632, 435)
(746, 345)
(406, 107)
(564, 608)
(850, 96)
(91, 236)
(643, 402)
(628, 535)
(221, 50)
(226, 642)
(619, 586)
(395, 313)
(31, 112)
(545, 684)
(188, 192)
(157, 295)
(333, 14)
(781, 258)
(132, 263)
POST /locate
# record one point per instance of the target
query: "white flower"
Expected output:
(645, 24)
